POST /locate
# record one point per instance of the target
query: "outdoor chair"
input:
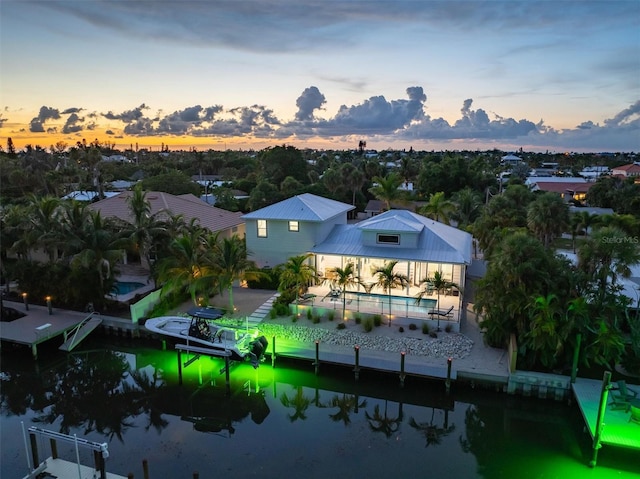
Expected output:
(441, 312)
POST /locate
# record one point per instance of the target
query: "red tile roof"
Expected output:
(563, 186)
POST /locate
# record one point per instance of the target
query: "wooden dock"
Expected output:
(67, 470)
(618, 430)
(40, 324)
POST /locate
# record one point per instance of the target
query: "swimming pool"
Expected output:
(399, 304)
(125, 287)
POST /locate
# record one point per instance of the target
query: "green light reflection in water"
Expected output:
(291, 422)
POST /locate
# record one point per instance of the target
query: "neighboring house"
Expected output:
(568, 188)
(594, 172)
(626, 171)
(291, 227)
(190, 207)
(375, 207)
(510, 160)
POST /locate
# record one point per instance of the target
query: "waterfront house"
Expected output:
(422, 246)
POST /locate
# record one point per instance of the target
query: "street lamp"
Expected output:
(26, 302)
(48, 298)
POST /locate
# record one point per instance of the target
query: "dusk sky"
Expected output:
(539, 75)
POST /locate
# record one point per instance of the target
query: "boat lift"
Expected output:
(207, 352)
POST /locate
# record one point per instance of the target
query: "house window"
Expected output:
(293, 226)
(262, 228)
(389, 239)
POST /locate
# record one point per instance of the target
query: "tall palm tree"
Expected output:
(230, 261)
(432, 433)
(439, 284)
(386, 189)
(387, 279)
(185, 268)
(547, 217)
(98, 250)
(438, 208)
(345, 278)
(467, 207)
(297, 273)
(144, 226)
(548, 329)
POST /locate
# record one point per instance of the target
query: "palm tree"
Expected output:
(439, 284)
(145, 226)
(438, 208)
(548, 329)
(186, 268)
(353, 179)
(298, 273)
(547, 217)
(387, 279)
(467, 207)
(345, 404)
(386, 189)
(230, 262)
(344, 278)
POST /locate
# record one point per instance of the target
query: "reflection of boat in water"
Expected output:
(201, 330)
(214, 410)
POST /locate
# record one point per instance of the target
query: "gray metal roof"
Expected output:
(437, 242)
(305, 207)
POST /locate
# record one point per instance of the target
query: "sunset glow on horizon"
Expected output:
(556, 76)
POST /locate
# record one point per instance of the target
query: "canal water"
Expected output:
(285, 422)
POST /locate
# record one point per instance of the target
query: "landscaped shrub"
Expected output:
(401, 329)
(309, 313)
(433, 334)
(367, 324)
(357, 318)
(316, 319)
(413, 327)
(377, 320)
(425, 328)
(267, 279)
(294, 319)
(331, 315)
(341, 326)
(273, 314)
(281, 309)
(448, 328)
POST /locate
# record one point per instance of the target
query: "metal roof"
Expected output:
(437, 242)
(305, 207)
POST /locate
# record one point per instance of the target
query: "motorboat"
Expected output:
(201, 330)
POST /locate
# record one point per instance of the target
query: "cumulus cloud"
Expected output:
(37, 124)
(376, 118)
(310, 100)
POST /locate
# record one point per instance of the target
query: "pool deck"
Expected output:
(617, 430)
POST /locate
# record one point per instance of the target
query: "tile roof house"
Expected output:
(189, 206)
(567, 188)
(291, 227)
(632, 169)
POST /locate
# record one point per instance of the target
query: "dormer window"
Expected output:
(388, 239)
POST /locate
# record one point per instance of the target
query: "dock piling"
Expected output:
(604, 394)
(356, 369)
(317, 362)
(447, 383)
(402, 374)
(273, 352)
(145, 468)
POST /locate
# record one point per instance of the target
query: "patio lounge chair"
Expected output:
(441, 312)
